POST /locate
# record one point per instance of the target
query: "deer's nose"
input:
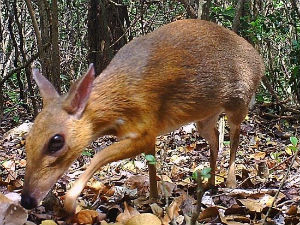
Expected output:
(27, 201)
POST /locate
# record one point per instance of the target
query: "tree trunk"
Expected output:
(55, 61)
(99, 52)
(191, 13)
(205, 10)
(1, 103)
(296, 6)
(12, 16)
(238, 14)
(24, 59)
(1, 26)
(45, 38)
(48, 33)
(105, 32)
(117, 16)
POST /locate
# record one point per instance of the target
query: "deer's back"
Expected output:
(190, 67)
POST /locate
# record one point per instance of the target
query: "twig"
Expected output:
(221, 129)
(232, 190)
(274, 116)
(115, 3)
(296, 111)
(269, 87)
(128, 28)
(27, 63)
(189, 9)
(244, 181)
(8, 75)
(164, 190)
(151, 21)
(200, 193)
(167, 201)
(279, 164)
(35, 26)
(285, 203)
(281, 185)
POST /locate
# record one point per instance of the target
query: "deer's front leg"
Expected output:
(121, 150)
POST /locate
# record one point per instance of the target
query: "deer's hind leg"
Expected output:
(235, 118)
(207, 129)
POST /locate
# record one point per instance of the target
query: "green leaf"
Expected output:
(87, 153)
(230, 12)
(226, 143)
(260, 98)
(195, 175)
(293, 148)
(150, 159)
(294, 141)
(205, 173)
(16, 118)
(207, 176)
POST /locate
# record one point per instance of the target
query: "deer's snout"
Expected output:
(27, 201)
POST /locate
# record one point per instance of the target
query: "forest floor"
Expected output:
(120, 190)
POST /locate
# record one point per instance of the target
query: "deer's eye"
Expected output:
(56, 143)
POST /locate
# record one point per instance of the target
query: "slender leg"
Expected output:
(207, 129)
(152, 177)
(124, 149)
(235, 119)
(234, 143)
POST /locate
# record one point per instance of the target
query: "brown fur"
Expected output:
(186, 71)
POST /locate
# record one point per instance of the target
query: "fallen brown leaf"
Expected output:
(128, 213)
(235, 220)
(166, 188)
(173, 210)
(86, 216)
(252, 204)
(258, 204)
(48, 222)
(11, 213)
(235, 209)
(157, 210)
(292, 210)
(144, 219)
(258, 155)
(208, 213)
(137, 181)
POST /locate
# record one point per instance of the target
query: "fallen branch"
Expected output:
(274, 116)
(233, 192)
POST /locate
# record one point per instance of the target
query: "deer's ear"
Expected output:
(79, 93)
(47, 90)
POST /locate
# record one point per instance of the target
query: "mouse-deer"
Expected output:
(186, 71)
